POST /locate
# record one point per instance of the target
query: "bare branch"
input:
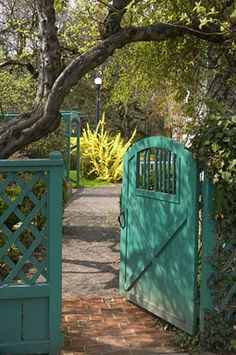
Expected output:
(16, 62)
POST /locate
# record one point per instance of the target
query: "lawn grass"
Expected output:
(87, 182)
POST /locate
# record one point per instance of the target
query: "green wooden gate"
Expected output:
(30, 255)
(159, 238)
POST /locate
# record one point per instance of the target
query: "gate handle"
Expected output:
(121, 219)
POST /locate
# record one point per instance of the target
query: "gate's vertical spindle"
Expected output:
(148, 170)
(138, 173)
(160, 170)
(145, 169)
(155, 169)
(164, 170)
(173, 174)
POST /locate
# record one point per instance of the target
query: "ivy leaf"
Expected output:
(215, 147)
(226, 139)
(226, 175)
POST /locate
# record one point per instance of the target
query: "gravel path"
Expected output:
(91, 236)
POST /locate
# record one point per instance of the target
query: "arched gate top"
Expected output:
(159, 142)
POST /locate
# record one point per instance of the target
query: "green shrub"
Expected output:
(43, 147)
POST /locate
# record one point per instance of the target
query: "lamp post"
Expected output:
(98, 83)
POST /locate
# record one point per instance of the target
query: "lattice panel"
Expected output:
(23, 228)
(157, 170)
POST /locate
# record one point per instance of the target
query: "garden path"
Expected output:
(91, 242)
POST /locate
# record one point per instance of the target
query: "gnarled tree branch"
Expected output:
(99, 53)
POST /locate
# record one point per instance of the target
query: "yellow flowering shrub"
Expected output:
(102, 154)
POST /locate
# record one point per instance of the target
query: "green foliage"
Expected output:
(214, 145)
(17, 90)
(161, 73)
(218, 334)
(187, 342)
(43, 147)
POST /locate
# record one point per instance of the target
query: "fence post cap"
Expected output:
(55, 155)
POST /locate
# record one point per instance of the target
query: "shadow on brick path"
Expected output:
(112, 326)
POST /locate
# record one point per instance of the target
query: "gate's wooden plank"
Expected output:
(24, 291)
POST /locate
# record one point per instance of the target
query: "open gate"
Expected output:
(159, 238)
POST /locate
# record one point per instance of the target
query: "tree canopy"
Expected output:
(59, 42)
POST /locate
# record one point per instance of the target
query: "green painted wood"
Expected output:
(26, 165)
(174, 174)
(70, 118)
(208, 246)
(10, 324)
(38, 347)
(168, 171)
(155, 169)
(160, 169)
(55, 250)
(30, 302)
(24, 291)
(164, 170)
(35, 323)
(148, 169)
(68, 136)
(145, 169)
(159, 241)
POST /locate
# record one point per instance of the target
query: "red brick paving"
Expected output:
(112, 327)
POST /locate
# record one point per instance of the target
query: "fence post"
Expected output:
(208, 247)
(55, 249)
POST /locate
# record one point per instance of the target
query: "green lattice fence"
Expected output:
(30, 255)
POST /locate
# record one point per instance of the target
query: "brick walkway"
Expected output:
(111, 326)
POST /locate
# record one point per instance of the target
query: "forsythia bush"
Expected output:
(102, 154)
